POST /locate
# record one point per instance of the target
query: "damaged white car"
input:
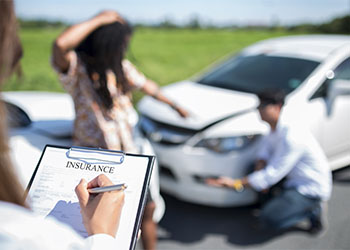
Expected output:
(222, 135)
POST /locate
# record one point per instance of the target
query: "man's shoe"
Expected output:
(319, 224)
(316, 228)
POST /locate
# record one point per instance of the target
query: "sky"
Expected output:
(216, 12)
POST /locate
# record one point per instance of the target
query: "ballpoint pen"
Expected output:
(121, 186)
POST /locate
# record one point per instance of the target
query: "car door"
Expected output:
(334, 123)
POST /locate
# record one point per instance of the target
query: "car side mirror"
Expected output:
(337, 87)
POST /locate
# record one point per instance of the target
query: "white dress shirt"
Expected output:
(22, 229)
(292, 152)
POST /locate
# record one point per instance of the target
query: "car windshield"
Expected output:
(255, 73)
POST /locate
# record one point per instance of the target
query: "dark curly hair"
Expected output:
(104, 50)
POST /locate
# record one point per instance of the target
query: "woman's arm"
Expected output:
(152, 89)
(74, 35)
(138, 80)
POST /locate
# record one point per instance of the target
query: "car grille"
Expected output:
(164, 133)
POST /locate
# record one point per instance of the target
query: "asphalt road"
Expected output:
(189, 226)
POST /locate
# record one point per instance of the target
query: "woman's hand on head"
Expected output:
(101, 212)
(109, 16)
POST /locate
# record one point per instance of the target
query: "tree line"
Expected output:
(339, 25)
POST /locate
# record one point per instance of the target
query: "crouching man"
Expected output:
(290, 153)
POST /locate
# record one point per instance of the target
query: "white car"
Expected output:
(223, 133)
(38, 118)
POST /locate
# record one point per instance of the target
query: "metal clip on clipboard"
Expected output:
(95, 156)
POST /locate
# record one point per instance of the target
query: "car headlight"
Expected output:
(226, 144)
(164, 133)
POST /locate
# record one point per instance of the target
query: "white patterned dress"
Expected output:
(94, 125)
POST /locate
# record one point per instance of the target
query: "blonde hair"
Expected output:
(10, 188)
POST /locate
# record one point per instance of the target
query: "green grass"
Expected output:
(164, 55)
(37, 71)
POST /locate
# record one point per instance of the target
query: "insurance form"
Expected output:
(52, 187)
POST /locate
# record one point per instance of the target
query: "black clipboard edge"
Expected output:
(143, 193)
(143, 198)
(37, 167)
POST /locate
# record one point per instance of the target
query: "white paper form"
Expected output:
(52, 190)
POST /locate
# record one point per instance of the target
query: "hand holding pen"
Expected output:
(101, 213)
(116, 187)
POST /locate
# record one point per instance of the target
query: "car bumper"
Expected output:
(181, 168)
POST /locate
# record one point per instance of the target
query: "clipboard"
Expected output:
(51, 188)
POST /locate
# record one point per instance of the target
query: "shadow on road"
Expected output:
(189, 223)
